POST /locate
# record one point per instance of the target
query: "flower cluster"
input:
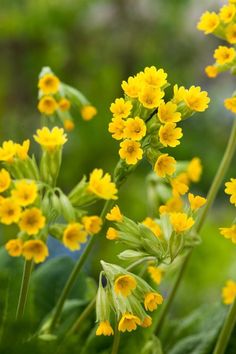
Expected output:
(146, 123)
(230, 232)
(223, 26)
(30, 199)
(128, 295)
(62, 101)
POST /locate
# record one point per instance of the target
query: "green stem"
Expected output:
(116, 342)
(28, 265)
(82, 317)
(75, 272)
(226, 330)
(222, 169)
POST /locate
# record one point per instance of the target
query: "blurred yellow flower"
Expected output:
(208, 23)
(7, 151)
(155, 273)
(224, 55)
(196, 202)
(112, 234)
(153, 226)
(32, 221)
(49, 84)
(229, 292)
(211, 71)
(181, 222)
(92, 224)
(104, 328)
(229, 232)
(36, 250)
(230, 33)
(69, 125)
(165, 165)
(64, 104)
(227, 13)
(22, 150)
(231, 190)
(194, 169)
(10, 211)
(230, 104)
(47, 105)
(73, 236)
(5, 180)
(152, 300)
(88, 112)
(25, 192)
(14, 247)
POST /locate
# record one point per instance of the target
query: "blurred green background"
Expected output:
(93, 45)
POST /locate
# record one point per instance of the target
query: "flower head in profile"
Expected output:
(73, 236)
(194, 169)
(112, 234)
(25, 192)
(181, 222)
(32, 221)
(36, 250)
(135, 128)
(7, 151)
(230, 104)
(88, 112)
(196, 202)
(124, 285)
(128, 322)
(227, 13)
(130, 151)
(152, 300)
(5, 180)
(101, 185)
(10, 211)
(169, 134)
(224, 55)
(116, 128)
(147, 322)
(229, 292)
(14, 247)
(64, 104)
(50, 140)
(153, 226)
(92, 224)
(114, 214)
(132, 86)
(155, 273)
(230, 33)
(178, 94)
(165, 165)
(209, 22)
(121, 108)
(196, 99)
(49, 84)
(229, 232)
(167, 112)
(174, 204)
(47, 105)
(69, 125)
(104, 328)
(231, 190)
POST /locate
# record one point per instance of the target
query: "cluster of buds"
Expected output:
(223, 26)
(31, 200)
(128, 296)
(230, 232)
(58, 100)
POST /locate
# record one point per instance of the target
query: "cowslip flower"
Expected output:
(152, 300)
(194, 169)
(165, 165)
(230, 104)
(227, 13)
(167, 112)
(88, 112)
(128, 322)
(174, 204)
(114, 214)
(231, 190)
(180, 222)
(150, 96)
(31, 221)
(147, 322)
(196, 99)
(14, 247)
(178, 94)
(208, 23)
(153, 77)
(229, 232)
(7, 151)
(50, 140)
(229, 292)
(101, 185)
(121, 108)
(5, 180)
(211, 71)
(22, 150)
(116, 128)
(179, 184)
(196, 202)
(224, 55)
(130, 151)
(47, 105)
(112, 234)
(49, 84)
(10, 211)
(36, 250)
(64, 104)
(153, 226)
(155, 274)
(132, 86)
(92, 224)
(169, 134)
(68, 125)
(25, 192)
(124, 285)
(73, 236)
(230, 33)
(105, 329)
(135, 128)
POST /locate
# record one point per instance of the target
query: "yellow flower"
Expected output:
(209, 21)
(152, 300)
(10, 211)
(49, 84)
(73, 236)
(88, 112)
(121, 108)
(14, 247)
(150, 96)
(25, 192)
(211, 71)
(116, 127)
(114, 214)
(196, 99)
(229, 232)
(68, 125)
(230, 104)
(165, 165)
(194, 169)
(105, 329)
(22, 150)
(169, 134)
(155, 273)
(130, 151)
(128, 322)
(178, 94)
(124, 285)
(92, 224)
(224, 55)
(229, 292)
(50, 140)
(153, 226)
(227, 13)
(174, 204)
(154, 77)
(5, 180)
(132, 86)
(167, 112)
(181, 222)
(147, 322)
(112, 234)
(180, 184)
(31, 221)
(64, 104)
(135, 128)
(36, 250)
(102, 185)
(230, 33)
(196, 202)
(7, 151)
(47, 105)
(231, 190)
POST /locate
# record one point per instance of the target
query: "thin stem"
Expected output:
(82, 317)
(28, 265)
(222, 169)
(226, 330)
(116, 341)
(75, 272)
(140, 261)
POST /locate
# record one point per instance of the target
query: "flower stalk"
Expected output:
(28, 266)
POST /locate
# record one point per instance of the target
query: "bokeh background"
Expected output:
(93, 45)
